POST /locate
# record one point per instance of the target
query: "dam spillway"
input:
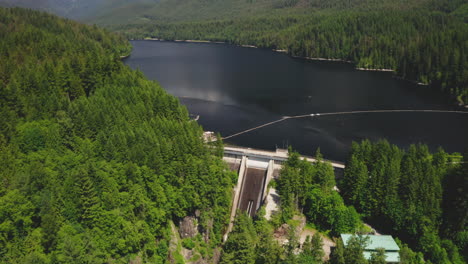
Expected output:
(256, 168)
(252, 190)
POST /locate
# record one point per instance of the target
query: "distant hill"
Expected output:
(119, 12)
(68, 8)
(202, 10)
(75, 9)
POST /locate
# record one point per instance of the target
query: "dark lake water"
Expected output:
(234, 88)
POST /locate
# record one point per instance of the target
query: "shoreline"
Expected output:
(411, 81)
(186, 40)
(375, 70)
(321, 59)
(457, 103)
(202, 41)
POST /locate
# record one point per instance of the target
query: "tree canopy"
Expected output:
(95, 160)
(409, 194)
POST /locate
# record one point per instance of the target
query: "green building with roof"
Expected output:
(375, 242)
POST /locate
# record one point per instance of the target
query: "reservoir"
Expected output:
(233, 88)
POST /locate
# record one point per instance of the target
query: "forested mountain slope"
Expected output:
(95, 160)
(75, 9)
(415, 195)
(143, 11)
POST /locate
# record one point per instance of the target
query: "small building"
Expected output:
(209, 136)
(375, 242)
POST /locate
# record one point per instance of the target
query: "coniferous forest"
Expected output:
(414, 194)
(100, 165)
(95, 160)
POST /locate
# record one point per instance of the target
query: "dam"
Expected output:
(256, 168)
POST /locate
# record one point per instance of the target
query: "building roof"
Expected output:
(375, 242)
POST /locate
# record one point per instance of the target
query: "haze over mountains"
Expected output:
(115, 12)
(74, 9)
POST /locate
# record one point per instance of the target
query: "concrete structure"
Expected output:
(237, 190)
(375, 242)
(278, 156)
(256, 168)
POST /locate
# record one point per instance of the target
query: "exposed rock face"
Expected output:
(201, 261)
(188, 227)
(187, 253)
(302, 223)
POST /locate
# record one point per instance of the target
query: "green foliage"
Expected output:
(267, 251)
(353, 252)
(461, 12)
(337, 254)
(94, 159)
(188, 243)
(407, 256)
(309, 187)
(252, 242)
(378, 257)
(239, 247)
(454, 203)
(312, 251)
(409, 194)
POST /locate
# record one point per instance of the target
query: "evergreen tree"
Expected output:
(337, 255)
(89, 202)
(240, 245)
(378, 257)
(354, 250)
(317, 248)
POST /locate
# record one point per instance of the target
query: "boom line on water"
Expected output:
(343, 113)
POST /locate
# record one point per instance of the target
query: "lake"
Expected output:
(235, 88)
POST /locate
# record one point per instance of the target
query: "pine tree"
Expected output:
(240, 245)
(378, 257)
(354, 183)
(354, 250)
(337, 255)
(325, 176)
(317, 248)
(89, 202)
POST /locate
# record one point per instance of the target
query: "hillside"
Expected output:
(74, 9)
(95, 160)
(118, 12)
(202, 10)
(100, 165)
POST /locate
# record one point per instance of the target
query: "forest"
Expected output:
(414, 194)
(100, 165)
(424, 43)
(95, 160)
